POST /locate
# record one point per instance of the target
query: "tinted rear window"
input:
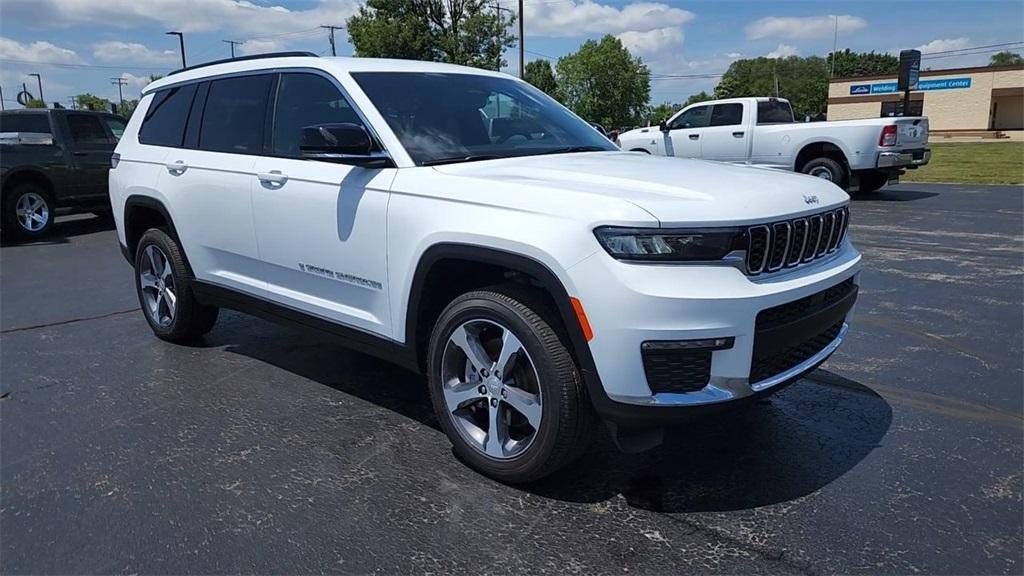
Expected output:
(164, 124)
(86, 129)
(727, 114)
(774, 112)
(39, 123)
(235, 114)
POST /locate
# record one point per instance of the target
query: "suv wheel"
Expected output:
(28, 212)
(505, 388)
(165, 290)
(827, 169)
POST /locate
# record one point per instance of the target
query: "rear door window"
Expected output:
(774, 112)
(235, 115)
(87, 129)
(727, 114)
(164, 124)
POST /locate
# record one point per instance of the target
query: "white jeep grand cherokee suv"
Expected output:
(461, 223)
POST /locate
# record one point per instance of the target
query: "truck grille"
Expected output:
(789, 243)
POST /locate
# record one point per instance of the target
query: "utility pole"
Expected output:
(233, 43)
(2, 99)
(521, 37)
(497, 12)
(334, 52)
(39, 80)
(73, 102)
(835, 46)
(181, 43)
(120, 82)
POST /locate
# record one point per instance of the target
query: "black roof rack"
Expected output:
(243, 58)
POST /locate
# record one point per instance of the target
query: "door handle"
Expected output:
(80, 153)
(694, 136)
(176, 167)
(272, 177)
(738, 134)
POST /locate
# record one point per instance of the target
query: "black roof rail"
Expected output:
(243, 58)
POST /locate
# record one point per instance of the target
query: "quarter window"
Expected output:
(37, 123)
(307, 100)
(727, 114)
(234, 116)
(87, 129)
(164, 124)
(116, 126)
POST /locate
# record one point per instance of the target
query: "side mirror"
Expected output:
(663, 126)
(344, 143)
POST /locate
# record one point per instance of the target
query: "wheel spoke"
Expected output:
(525, 403)
(147, 280)
(171, 301)
(153, 258)
(459, 394)
(157, 304)
(494, 444)
(509, 346)
(471, 347)
(165, 274)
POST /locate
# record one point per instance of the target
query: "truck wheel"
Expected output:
(27, 212)
(165, 290)
(505, 388)
(872, 181)
(827, 169)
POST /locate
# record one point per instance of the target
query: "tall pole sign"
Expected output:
(910, 72)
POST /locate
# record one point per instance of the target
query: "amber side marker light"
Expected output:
(577, 306)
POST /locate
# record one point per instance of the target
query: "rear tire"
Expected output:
(164, 287)
(28, 212)
(827, 169)
(872, 181)
(491, 416)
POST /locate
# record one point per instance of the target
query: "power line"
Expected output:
(69, 65)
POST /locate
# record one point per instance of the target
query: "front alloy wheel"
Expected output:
(491, 389)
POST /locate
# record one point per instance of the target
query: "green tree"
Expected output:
(849, 63)
(602, 82)
(1005, 58)
(91, 102)
(802, 81)
(468, 32)
(661, 112)
(542, 76)
(127, 108)
(35, 103)
(701, 96)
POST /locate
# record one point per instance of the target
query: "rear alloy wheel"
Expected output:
(827, 169)
(28, 212)
(505, 388)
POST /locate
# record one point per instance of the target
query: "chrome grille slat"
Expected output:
(789, 243)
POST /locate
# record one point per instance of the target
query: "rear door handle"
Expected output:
(79, 153)
(272, 177)
(176, 167)
(694, 136)
(738, 134)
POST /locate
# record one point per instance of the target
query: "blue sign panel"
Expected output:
(884, 88)
(944, 84)
(860, 89)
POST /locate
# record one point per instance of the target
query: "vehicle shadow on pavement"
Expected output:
(65, 228)
(777, 450)
(886, 195)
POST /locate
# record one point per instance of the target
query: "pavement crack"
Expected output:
(69, 321)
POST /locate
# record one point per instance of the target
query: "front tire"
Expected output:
(164, 287)
(827, 169)
(28, 212)
(505, 388)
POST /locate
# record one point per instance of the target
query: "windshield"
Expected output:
(442, 118)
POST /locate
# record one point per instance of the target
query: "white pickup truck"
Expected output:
(865, 154)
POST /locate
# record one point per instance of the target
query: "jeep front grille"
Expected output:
(789, 243)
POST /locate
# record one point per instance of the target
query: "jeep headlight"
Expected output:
(669, 245)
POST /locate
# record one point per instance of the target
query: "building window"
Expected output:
(895, 108)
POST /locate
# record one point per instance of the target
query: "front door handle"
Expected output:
(80, 153)
(738, 134)
(177, 167)
(694, 136)
(272, 177)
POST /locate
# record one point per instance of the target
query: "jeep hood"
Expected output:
(675, 191)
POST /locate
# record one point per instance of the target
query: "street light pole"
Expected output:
(181, 43)
(39, 80)
(521, 63)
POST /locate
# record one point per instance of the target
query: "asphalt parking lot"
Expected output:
(266, 450)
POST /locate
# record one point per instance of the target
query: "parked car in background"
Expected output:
(463, 224)
(51, 160)
(862, 154)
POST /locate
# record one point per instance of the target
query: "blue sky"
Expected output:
(80, 45)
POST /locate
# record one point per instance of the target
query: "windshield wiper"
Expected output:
(454, 159)
(571, 149)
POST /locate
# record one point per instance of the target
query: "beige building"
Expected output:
(956, 100)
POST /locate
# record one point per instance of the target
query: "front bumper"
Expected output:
(904, 158)
(633, 303)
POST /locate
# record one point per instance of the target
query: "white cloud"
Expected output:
(259, 47)
(572, 18)
(783, 51)
(652, 41)
(734, 55)
(944, 44)
(803, 27)
(38, 51)
(135, 83)
(125, 52)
